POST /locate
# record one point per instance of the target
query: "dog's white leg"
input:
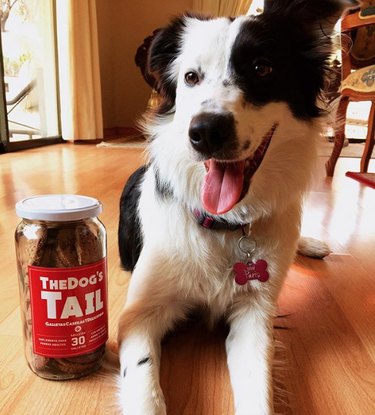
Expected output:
(250, 349)
(140, 391)
(148, 315)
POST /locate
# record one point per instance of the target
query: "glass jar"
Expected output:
(62, 272)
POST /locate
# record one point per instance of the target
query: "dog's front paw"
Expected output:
(139, 399)
(132, 406)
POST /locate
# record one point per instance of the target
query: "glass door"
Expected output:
(29, 111)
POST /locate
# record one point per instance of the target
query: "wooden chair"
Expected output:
(358, 77)
(141, 62)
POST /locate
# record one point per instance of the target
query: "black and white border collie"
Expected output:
(213, 220)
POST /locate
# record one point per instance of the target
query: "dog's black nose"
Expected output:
(211, 133)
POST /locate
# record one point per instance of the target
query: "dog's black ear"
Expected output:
(162, 53)
(324, 13)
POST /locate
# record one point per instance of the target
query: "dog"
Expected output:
(212, 221)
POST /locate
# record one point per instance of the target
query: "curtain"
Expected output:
(222, 7)
(79, 72)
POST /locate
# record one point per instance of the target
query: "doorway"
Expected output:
(29, 112)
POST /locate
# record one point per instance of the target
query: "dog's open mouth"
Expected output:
(227, 182)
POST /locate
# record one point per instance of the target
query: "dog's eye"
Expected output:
(192, 78)
(262, 68)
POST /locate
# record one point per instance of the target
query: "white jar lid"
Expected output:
(58, 207)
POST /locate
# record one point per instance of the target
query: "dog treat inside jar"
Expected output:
(61, 257)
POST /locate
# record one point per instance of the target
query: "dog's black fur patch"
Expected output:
(146, 359)
(130, 239)
(163, 190)
(297, 74)
(129, 232)
(293, 37)
(163, 51)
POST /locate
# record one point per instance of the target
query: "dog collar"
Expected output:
(209, 222)
(244, 271)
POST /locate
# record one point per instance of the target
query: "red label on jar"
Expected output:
(68, 309)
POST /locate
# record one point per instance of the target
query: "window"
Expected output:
(29, 109)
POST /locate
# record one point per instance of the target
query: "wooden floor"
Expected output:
(328, 351)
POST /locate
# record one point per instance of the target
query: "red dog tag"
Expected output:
(250, 271)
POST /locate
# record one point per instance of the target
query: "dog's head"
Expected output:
(227, 84)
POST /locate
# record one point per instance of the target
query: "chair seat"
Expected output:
(361, 82)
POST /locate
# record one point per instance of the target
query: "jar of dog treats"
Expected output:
(62, 271)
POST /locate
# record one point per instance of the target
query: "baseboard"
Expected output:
(111, 134)
(116, 132)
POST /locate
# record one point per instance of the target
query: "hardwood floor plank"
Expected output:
(329, 359)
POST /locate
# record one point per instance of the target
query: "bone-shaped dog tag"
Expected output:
(244, 272)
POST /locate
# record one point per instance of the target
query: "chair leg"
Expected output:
(339, 135)
(370, 140)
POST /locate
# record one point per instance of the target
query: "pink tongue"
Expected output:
(222, 186)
